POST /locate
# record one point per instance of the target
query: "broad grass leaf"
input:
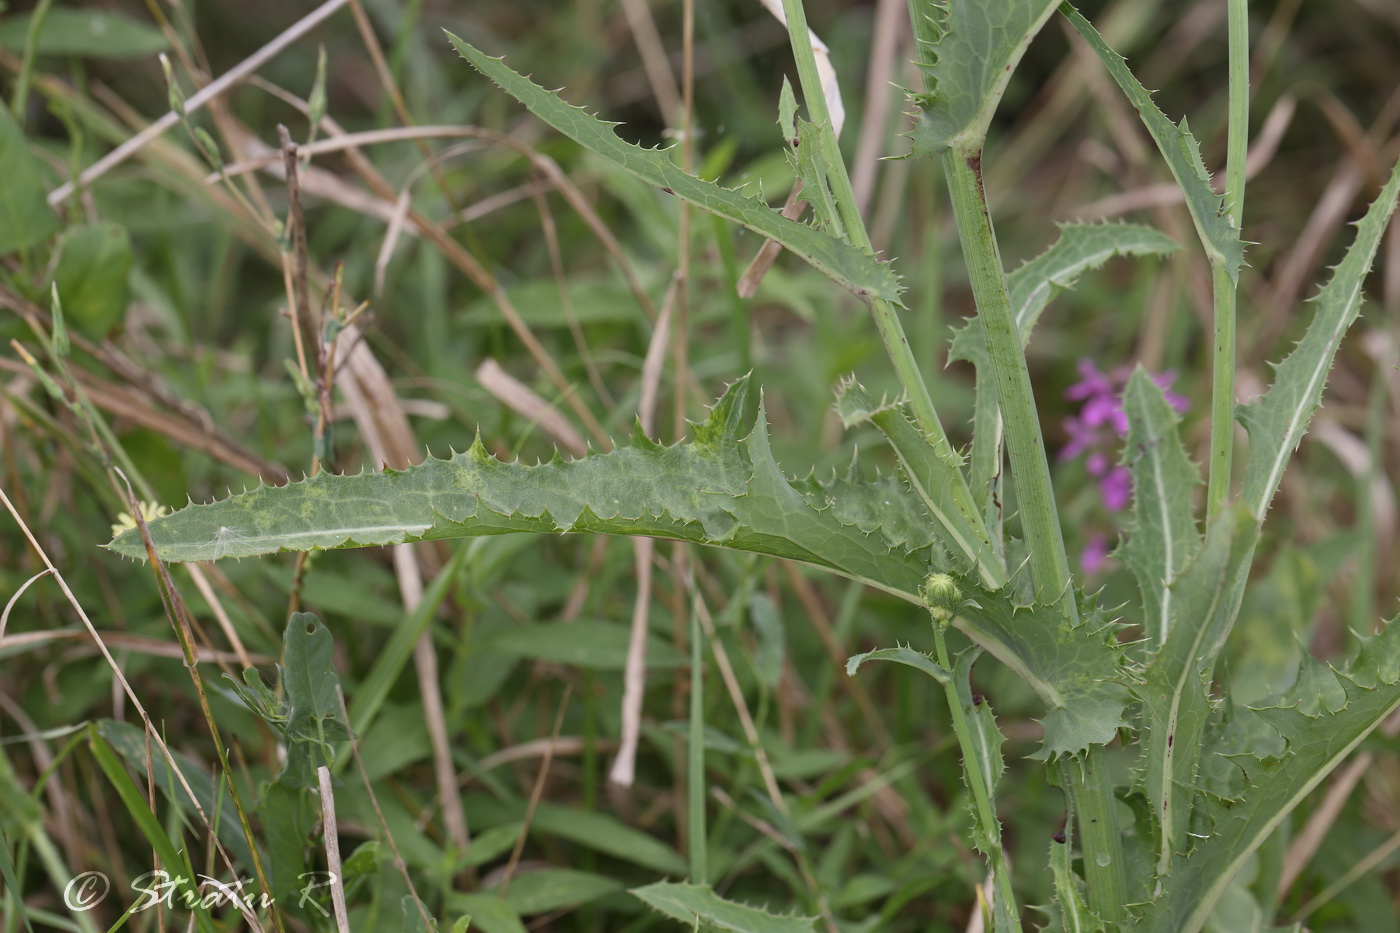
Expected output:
(25, 217)
(856, 270)
(489, 913)
(977, 48)
(1219, 235)
(1276, 423)
(413, 915)
(130, 743)
(596, 645)
(133, 798)
(551, 889)
(609, 835)
(92, 277)
(696, 903)
(84, 33)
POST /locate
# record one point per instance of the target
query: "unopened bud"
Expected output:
(942, 596)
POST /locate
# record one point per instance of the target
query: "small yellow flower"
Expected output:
(149, 511)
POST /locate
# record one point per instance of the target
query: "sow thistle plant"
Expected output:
(1212, 778)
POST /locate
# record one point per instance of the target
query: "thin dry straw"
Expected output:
(197, 100)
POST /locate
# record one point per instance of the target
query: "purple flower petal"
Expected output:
(1116, 488)
(1081, 438)
(1092, 382)
(1095, 553)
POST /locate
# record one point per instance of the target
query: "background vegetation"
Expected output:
(511, 286)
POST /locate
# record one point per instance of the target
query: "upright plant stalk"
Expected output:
(1222, 417)
(1094, 805)
(1004, 910)
(1029, 466)
(886, 318)
(696, 831)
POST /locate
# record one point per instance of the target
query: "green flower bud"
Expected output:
(942, 596)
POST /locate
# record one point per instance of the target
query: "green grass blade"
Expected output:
(1162, 534)
(1219, 233)
(172, 857)
(855, 269)
(1276, 424)
(966, 72)
(7, 874)
(720, 489)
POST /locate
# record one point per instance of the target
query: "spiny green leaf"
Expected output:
(720, 489)
(1075, 669)
(986, 742)
(1074, 914)
(1219, 235)
(900, 655)
(1277, 423)
(934, 474)
(1310, 740)
(698, 903)
(852, 268)
(808, 161)
(1079, 248)
(1176, 682)
(966, 72)
(1162, 535)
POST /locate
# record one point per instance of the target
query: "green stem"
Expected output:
(26, 68)
(1222, 425)
(886, 318)
(980, 785)
(1024, 442)
(1094, 804)
(695, 758)
(1222, 394)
